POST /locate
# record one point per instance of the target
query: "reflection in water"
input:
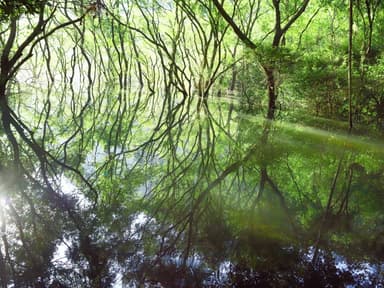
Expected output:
(221, 201)
(254, 204)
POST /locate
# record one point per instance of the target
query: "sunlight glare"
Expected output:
(3, 203)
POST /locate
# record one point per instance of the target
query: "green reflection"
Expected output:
(281, 202)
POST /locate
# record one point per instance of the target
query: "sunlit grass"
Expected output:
(336, 139)
(334, 135)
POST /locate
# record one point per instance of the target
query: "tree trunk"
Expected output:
(272, 93)
(350, 62)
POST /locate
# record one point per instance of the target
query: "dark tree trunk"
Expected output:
(272, 93)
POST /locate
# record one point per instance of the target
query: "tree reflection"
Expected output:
(171, 182)
(214, 210)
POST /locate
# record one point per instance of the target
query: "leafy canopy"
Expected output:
(11, 8)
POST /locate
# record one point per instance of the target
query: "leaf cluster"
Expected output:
(10, 8)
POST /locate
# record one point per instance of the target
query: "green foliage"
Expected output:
(13, 9)
(139, 143)
(327, 78)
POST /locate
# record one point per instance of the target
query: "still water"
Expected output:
(233, 200)
(210, 197)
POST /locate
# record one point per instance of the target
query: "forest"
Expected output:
(191, 143)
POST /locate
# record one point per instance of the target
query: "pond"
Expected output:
(230, 199)
(206, 197)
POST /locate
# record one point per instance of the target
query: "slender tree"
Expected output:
(279, 30)
(350, 47)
